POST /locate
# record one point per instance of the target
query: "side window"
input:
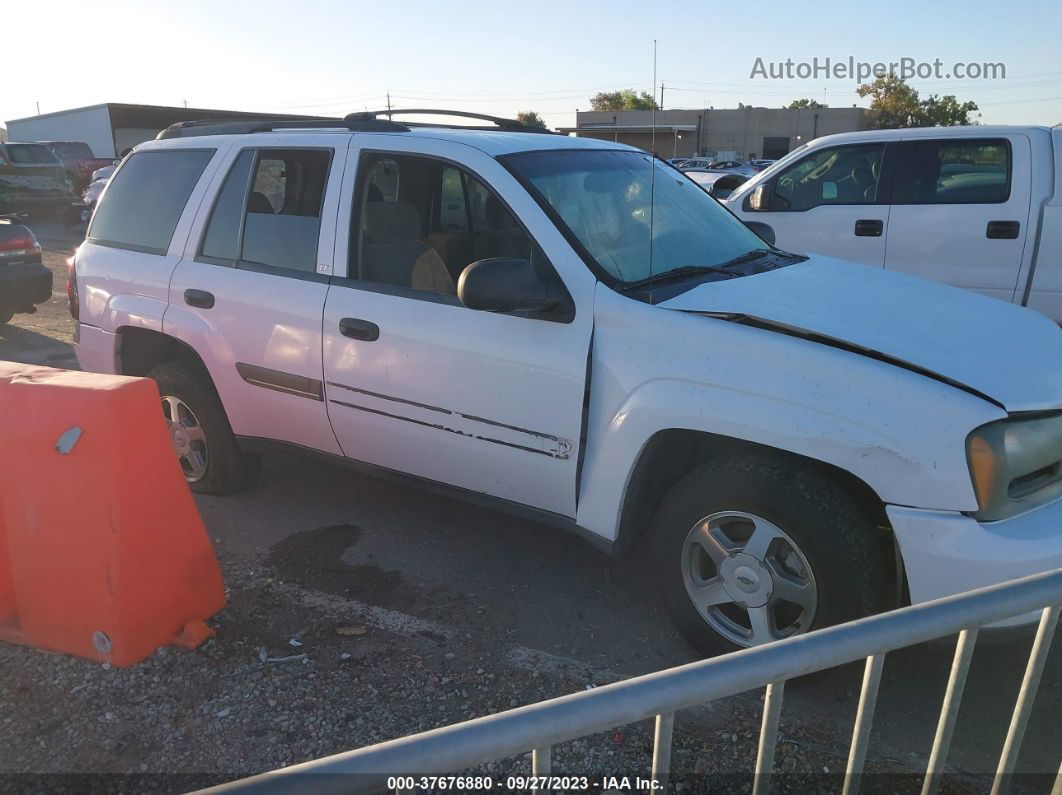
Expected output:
(146, 197)
(842, 175)
(437, 221)
(953, 172)
(268, 212)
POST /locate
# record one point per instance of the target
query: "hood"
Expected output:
(1007, 353)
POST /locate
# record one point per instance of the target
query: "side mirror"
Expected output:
(760, 198)
(506, 285)
(765, 232)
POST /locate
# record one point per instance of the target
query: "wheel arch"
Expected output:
(140, 350)
(668, 455)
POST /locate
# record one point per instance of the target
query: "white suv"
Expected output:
(568, 328)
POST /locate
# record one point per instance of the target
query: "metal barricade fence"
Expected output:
(538, 727)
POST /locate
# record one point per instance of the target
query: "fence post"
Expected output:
(1026, 696)
(665, 725)
(868, 698)
(949, 710)
(772, 710)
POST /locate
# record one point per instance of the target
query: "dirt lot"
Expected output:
(360, 611)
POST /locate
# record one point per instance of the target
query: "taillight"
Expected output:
(23, 242)
(71, 287)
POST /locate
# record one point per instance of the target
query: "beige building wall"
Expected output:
(751, 132)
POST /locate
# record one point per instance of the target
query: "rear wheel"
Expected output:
(202, 438)
(752, 550)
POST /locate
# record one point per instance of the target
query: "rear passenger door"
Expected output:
(416, 382)
(960, 211)
(249, 291)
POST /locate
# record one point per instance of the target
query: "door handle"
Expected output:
(359, 329)
(1003, 230)
(869, 227)
(200, 298)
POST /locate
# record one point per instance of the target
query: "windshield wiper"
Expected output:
(748, 256)
(677, 274)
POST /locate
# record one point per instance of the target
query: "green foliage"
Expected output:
(895, 104)
(804, 103)
(628, 99)
(530, 118)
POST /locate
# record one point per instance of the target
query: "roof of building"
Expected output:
(166, 111)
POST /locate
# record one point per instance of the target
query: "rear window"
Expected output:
(25, 154)
(145, 199)
(73, 149)
(957, 171)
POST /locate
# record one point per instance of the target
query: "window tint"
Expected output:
(223, 231)
(26, 154)
(145, 198)
(418, 236)
(268, 212)
(953, 172)
(841, 175)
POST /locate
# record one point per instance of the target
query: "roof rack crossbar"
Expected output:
(497, 121)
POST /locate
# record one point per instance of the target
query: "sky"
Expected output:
(332, 57)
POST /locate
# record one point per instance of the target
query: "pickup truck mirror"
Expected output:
(765, 231)
(760, 198)
(501, 284)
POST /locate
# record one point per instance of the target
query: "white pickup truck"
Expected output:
(974, 207)
(570, 329)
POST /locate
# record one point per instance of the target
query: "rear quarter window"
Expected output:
(145, 198)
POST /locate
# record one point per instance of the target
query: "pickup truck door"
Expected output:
(249, 291)
(960, 212)
(417, 383)
(832, 201)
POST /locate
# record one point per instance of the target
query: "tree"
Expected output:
(895, 104)
(628, 99)
(804, 103)
(530, 118)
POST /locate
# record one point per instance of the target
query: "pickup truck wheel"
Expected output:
(6, 313)
(753, 550)
(209, 455)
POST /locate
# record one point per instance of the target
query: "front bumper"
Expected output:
(23, 286)
(946, 553)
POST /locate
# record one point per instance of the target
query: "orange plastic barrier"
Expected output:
(102, 551)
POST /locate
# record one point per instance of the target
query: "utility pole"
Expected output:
(661, 95)
(388, 104)
(38, 108)
(186, 103)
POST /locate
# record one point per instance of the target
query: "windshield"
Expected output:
(632, 225)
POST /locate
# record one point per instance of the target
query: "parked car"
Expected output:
(32, 179)
(24, 280)
(794, 441)
(734, 167)
(760, 165)
(696, 162)
(718, 183)
(677, 161)
(974, 207)
(79, 159)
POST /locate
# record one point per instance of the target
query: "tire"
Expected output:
(212, 460)
(6, 314)
(826, 562)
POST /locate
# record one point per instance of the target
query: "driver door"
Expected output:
(833, 201)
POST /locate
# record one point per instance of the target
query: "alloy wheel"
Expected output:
(188, 437)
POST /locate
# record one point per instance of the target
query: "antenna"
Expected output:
(652, 165)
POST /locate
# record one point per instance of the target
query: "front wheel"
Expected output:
(206, 448)
(756, 549)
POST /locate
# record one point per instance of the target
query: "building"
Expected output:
(111, 128)
(743, 133)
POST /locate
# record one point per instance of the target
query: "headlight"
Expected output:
(1015, 465)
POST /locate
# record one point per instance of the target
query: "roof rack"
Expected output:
(366, 121)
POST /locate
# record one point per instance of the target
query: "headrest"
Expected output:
(391, 222)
